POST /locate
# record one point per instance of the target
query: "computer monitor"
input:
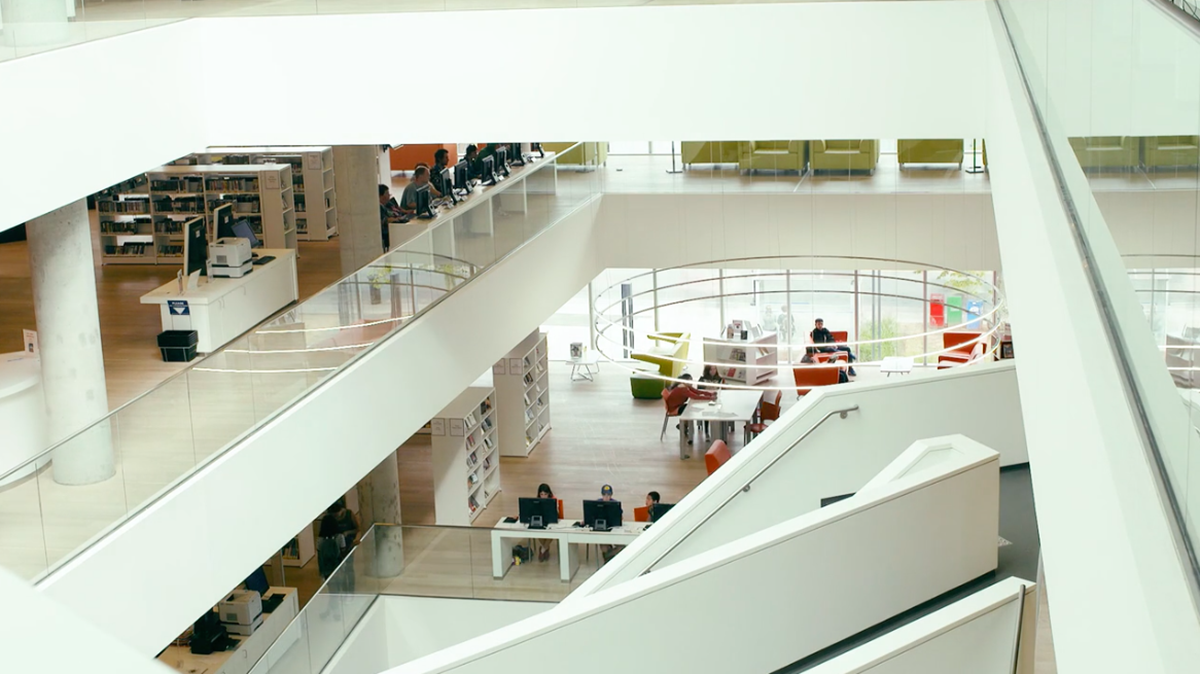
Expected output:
(659, 509)
(462, 176)
(424, 197)
(487, 173)
(257, 582)
(502, 159)
(195, 251)
(537, 147)
(222, 217)
(243, 230)
(602, 515)
(515, 154)
(538, 512)
(447, 187)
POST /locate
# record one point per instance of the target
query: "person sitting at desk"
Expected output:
(544, 491)
(389, 211)
(680, 393)
(710, 376)
(408, 200)
(609, 551)
(821, 335)
(437, 194)
(474, 166)
(652, 500)
(441, 160)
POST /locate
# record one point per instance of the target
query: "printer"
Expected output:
(229, 256)
(241, 612)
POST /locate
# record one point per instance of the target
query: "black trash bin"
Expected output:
(178, 346)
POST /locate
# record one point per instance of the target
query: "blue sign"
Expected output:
(179, 308)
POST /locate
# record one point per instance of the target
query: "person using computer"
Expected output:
(652, 500)
(474, 165)
(821, 335)
(433, 180)
(544, 491)
(441, 161)
(408, 199)
(608, 551)
(389, 211)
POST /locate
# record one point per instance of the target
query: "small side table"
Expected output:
(896, 365)
(583, 369)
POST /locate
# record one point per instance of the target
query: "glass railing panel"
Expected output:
(156, 440)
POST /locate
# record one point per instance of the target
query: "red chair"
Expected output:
(955, 359)
(766, 412)
(668, 413)
(641, 514)
(809, 376)
(716, 456)
(961, 347)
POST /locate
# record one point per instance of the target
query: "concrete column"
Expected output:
(356, 182)
(68, 324)
(32, 23)
(379, 503)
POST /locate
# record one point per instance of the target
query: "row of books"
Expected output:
(187, 206)
(170, 250)
(128, 250)
(169, 226)
(131, 206)
(233, 184)
(185, 184)
(110, 227)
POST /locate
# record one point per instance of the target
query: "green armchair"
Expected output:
(1171, 151)
(844, 155)
(587, 154)
(1106, 151)
(773, 155)
(930, 151)
(669, 352)
(708, 152)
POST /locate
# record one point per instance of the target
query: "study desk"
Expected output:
(221, 309)
(566, 535)
(731, 406)
(512, 196)
(249, 649)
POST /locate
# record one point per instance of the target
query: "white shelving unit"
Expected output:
(312, 182)
(523, 394)
(734, 354)
(260, 193)
(466, 460)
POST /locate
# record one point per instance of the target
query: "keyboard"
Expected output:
(264, 259)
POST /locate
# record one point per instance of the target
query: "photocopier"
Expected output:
(230, 256)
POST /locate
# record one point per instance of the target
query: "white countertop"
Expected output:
(18, 371)
(212, 289)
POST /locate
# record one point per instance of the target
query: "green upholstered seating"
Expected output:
(1106, 151)
(1171, 151)
(708, 152)
(669, 352)
(929, 151)
(844, 155)
(646, 387)
(587, 154)
(773, 155)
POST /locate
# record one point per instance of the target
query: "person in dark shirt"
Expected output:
(821, 335)
(474, 166)
(441, 160)
(389, 211)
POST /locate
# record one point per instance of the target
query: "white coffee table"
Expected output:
(583, 368)
(896, 365)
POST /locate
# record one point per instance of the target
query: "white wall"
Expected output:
(839, 457)
(35, 627)
(69, 136)
(975, 634)
(185, 541)
(955, 230)
(775, 596)
(1104, 529)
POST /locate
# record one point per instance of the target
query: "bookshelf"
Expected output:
(312, 182)
(126, 227)
(261, 193)
(466, 460)
(733, 354)
(522, 381)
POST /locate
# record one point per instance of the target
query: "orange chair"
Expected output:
(716, 456)
(560, 514)
(955, 359)
(961, 345)
(766, 412)
(809, 376)
(406, 157)
(641, 514)
(668, 413)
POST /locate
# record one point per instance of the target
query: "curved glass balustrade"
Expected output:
(161, 437)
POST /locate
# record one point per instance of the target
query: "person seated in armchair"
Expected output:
(821, 335)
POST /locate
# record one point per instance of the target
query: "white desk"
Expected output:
(565, 534)
(731, 407)
(896, 365)
(249, 649)
(22, 411)
(221, 309)
(583, 368)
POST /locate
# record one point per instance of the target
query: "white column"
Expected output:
(356, 182)
(68, 324)
(31, 23)
(379, 503)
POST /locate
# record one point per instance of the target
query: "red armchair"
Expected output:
(809, 376)
(716, 456)
(964, 347)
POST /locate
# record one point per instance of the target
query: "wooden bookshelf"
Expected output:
(466, 457)
(522, 381)
(260, 193)
(312, 182)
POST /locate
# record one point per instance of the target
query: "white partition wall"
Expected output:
(766, 600)
(980, 402)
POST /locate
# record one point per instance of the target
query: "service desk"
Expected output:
(249, 649)
(566, 534)
(221, 309)
(22, 412)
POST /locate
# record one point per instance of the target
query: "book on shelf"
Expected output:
(528, 402)
(128, 250)
(233, 184)
(489, 442)
(471, 419)
(528, 416)
(737, 355)
(528, 378)
(487, 424)
(121, 227)
(472, 503)
(485, 406)
(527, 363)
(473, 479)
(487, 463)
(471, 440)
(472, 459)
(170, 250)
